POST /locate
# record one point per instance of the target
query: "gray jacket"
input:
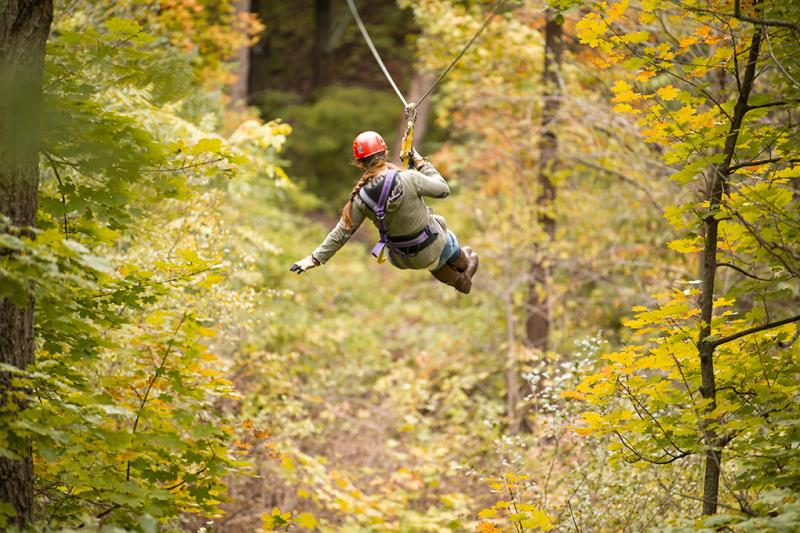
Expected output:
(406, 215)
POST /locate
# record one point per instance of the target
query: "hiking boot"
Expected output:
(472, 259)
(460, 263)
(450, 276)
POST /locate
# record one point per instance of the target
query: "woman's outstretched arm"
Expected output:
(336, 238)
(339, 235)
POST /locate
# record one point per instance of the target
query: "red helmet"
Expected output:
(367, 144)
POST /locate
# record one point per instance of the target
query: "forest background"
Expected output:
(627, 171)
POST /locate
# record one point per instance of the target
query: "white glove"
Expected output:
(305, 264)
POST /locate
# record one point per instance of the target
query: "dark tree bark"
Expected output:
(537, 325)
(538, 302)
(321, 51)
(24, 27)
(717, 176)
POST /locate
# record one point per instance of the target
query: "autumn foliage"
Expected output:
(639, 194)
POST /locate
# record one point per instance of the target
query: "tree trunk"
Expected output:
(239, 89)
(321, 51)
(538, 302)
(24, 27)
(718, 174)
(420, 84)
(537, 325)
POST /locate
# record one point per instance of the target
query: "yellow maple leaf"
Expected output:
(625, 96)
(686, 246)
(704, 120)
(616, 11)
(487, 513)
(538, 519)
(635, 37)
(590, 29)
(646, 17)
(667, 93)
(684, 114)
(604, 388)
(306, 520)
(657, 132)
(664, 50)
(573, 394)
(621, 86)
(625, 108)
(645, 75)
(703, 31)
(686, 42)
(487, 527)
(594, 420)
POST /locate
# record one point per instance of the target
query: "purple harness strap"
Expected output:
(380, 212)
(379, 209)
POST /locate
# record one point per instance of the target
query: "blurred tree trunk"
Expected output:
(24, 27)
(321, 51)
(538, 303)
(239, 89)
(420, 84)
(537, 325)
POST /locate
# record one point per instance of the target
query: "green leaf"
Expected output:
(212, 144)
(123, 26)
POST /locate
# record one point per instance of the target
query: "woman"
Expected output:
(411, 234)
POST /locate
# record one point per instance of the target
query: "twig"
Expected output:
(572, 515)
(756, 329)
(748, 274)
(184, 167)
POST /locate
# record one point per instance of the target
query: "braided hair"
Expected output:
(373, 166)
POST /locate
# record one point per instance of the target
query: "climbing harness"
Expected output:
(410, 109)
(400, 248)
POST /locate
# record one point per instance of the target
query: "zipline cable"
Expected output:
(410, 110)
(444, 73)
(364, 33)
(498, 4)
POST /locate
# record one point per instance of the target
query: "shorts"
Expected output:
(450, 252)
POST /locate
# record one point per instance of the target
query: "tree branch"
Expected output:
(184, 167)
(756, 329)
(640, 457)
(770, 104)
(759, 162)
(746, 273)
(737, 9)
